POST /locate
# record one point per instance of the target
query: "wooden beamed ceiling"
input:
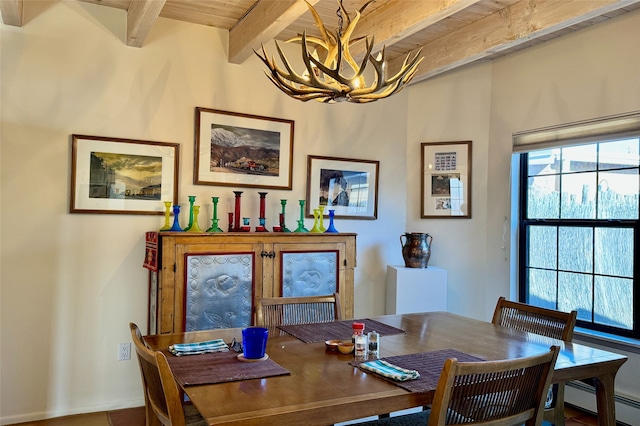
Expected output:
(451, 33)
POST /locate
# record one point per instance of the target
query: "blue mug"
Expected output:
(254, 342)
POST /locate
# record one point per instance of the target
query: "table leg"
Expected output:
(605, 399)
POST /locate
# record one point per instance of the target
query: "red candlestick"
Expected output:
(236, 225)
(262, 202)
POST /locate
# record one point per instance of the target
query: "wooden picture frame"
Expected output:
(445, 185)
(345, 185)
(242, 150)
(122, 176)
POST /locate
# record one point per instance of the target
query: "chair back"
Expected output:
(497, 393)
(546, 322)
(161, 393)
(297, 310)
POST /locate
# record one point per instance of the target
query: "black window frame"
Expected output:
(524, 223)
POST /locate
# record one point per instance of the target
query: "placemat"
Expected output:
(322, 331)
(219, 368)
(428, 364)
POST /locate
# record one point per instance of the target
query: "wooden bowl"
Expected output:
(345, 347)
(332, 345)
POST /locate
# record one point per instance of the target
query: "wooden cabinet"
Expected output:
(206, 280)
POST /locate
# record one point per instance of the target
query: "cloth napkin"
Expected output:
(196, 348)
(389, 370)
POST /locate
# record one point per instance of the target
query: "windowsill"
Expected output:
(606, 339)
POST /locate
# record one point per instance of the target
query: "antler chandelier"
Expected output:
(339, 77)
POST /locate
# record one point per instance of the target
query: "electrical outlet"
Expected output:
(124, 351)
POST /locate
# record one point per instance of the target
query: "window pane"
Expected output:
(575, 292)
(614, 302)
(544, 162)
(578, 196)
(614, 155)
(575, 249)
(542, 288)
(614, 251)
(618, 194)
(579, 158)
(543, 201)
(542, 247)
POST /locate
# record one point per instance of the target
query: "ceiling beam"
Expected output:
(397, 20)
(508, 28)
(262, 23)
(141, 16)
(11, 12)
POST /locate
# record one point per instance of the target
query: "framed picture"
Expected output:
(126, 176)
(349, 187)
(233, 149)
(445, 190)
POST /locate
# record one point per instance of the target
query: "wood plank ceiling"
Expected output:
(452, 33)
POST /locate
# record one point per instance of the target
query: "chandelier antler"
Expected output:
(325, 81)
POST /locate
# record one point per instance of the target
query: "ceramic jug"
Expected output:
(416, 249)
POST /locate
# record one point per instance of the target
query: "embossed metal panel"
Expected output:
(312, 273)
(218, 291)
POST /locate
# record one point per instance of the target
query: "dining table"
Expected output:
(306, 383)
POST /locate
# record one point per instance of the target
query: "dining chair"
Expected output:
(275, 311)
(497, 393)
(162, 397)
(546, 322)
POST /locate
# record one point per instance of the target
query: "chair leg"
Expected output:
(555, 415)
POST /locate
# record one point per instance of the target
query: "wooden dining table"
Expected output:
(323, 387)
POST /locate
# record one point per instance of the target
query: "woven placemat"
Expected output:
(219, 368)
(322, 331)
(428, 364)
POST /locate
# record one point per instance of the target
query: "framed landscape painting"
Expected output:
(347, 186)
(446, 180)
(126, 176)
(233, 149)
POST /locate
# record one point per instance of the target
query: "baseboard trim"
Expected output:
(44, 415)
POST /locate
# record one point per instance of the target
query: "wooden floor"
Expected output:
(135, 417)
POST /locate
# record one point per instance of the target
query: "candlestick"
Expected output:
(301, 227)
(214, 221)
(236, 224)
(283, 226)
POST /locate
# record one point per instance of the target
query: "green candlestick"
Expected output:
(283, 226)
(214, 221)
(301, 227)
(192, 199)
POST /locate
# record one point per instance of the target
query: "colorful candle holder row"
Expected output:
(234, 218)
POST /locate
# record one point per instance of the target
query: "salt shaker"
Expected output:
(374, 344)
(360, 340)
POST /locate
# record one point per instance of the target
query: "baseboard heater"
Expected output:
(628, 402)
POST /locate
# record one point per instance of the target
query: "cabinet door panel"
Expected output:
(310, 273)
(218, 290)
(307, 269)
(216, 285)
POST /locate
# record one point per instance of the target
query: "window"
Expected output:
(580, 230)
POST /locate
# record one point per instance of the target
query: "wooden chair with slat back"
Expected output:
(505, 392)
(546, 322)
(274, 311)
(162, 397)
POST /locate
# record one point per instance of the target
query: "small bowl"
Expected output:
(345, 347)
(332, 345)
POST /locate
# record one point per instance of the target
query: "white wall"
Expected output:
(71, 283)
(454, 107)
